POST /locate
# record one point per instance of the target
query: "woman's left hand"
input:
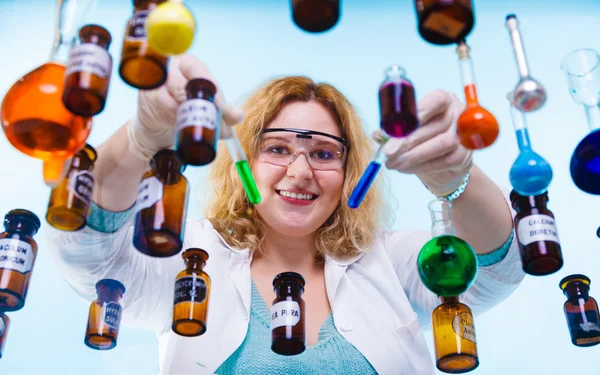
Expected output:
(433, 151)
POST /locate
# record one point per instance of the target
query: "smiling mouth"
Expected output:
(298, 196)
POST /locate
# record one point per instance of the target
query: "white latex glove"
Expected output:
(153, 127)
(433, 151)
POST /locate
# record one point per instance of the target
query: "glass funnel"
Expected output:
(530, 174)
(582, 68)
(447, 264)
(34, 119)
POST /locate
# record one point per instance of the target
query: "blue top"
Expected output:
(332, 354)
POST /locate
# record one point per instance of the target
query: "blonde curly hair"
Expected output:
(347, 232)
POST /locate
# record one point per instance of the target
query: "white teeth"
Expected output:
(296, 195)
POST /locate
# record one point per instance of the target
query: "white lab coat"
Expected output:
(377, 299)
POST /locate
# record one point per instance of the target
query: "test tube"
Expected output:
(241, 163)
(361, 189)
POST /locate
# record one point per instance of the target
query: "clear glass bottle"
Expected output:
(4, 325)
(161, 207)
(192, 292)
(69, 204)
(88, 72)
(104, 318)
(18, 251)
(397, 104)
(287, 314)
(581, 310)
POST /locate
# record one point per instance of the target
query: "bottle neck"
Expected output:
(519, 51)
(288, 289)
(467, 74)
(593, 116)
(525, 204)
(21, 227)
(109, 295)
(520, 125)
(452, 300)
(574, 291)
(195, 265)
(441, 223)
(69, 18)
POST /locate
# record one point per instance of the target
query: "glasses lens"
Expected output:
(323, 153)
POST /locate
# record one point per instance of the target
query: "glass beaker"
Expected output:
(582, 68)
(34, 118)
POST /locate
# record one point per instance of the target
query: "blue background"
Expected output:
(245, 42)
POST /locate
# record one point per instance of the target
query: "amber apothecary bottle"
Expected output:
(161, 207)
(287, 314)
(581, 311)
(443, 22)
(537, 235)
(69, 204)
(316, 16)
(18, 251)
(141, 67)
(105, 315)
(198, 124)
(192, 291)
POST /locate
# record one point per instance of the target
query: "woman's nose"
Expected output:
(300, 168)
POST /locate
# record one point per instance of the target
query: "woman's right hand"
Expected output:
(153, 128)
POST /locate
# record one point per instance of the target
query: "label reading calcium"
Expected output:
(136, 28)
(285, 313)
(197, 112)
(462, 324)
(16, 255)
(112, 315)
(534, 228)
(81, 183)
(149, 192)
(90, 58)
(190, 289)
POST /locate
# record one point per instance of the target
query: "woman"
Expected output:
(365, 304)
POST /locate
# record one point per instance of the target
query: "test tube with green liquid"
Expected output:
(241, 164)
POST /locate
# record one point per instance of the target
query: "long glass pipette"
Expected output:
(241, 163)
(361, 189)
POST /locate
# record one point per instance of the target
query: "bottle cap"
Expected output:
(289, 276)
(111, 284)
(22, 214)
(576, 278)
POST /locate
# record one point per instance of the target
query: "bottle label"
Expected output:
(462, 324)
(534, 228)
(149, 192)
(443, 24)
(112, 315)
(197, 112)
(136, 28)
(2, 327)
(89, 58)
(81, 184)
(190, 289)
(285, 313)
(589, 326)
(16, 255)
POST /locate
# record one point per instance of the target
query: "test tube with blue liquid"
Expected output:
(241, 163)
(398, 111)
(582, 68)
(530, 174)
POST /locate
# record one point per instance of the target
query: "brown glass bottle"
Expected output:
(444, 22)
(18, 251)
(581, 311)
(105, 315)
(88, 72)
(287, 314)
(161, 207)
(192, 292)
(4, 325)
(454, 337)
(536, 232)
(316, 16)
(198, 124)
(141, 67)
(69, 204)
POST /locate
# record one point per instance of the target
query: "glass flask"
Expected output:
(171, 27)
(537, 235)
(192, 292)
(529, 94)
(476, 127)
(447, 264)
(69, 204)
(316, 16)
(18, 251)
(105, 315)
(454, 337)
(198, 124)
(444, 22)
(397, 104)
(4, 326)
(34, 119)
(530, 173)
(581, 311)
(88, 73)
(141, 67)
(582, 68)
(287, 314)
(161, 207)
